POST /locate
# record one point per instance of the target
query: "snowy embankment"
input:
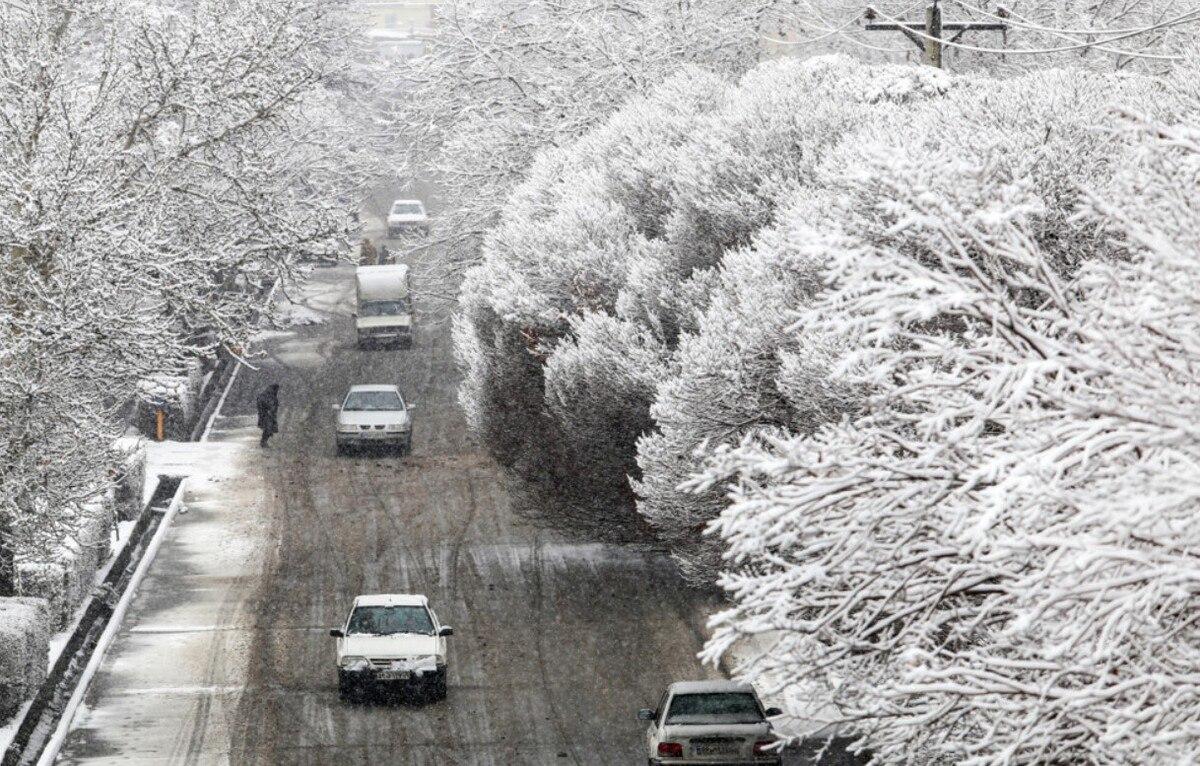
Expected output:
(57, 582)
(34, 633)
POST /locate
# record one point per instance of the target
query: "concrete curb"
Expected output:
(52, 747)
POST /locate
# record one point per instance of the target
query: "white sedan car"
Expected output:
(711, 722)
(374, 415)
(391, 639)
(405, 216)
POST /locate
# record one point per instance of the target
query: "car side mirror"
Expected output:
(337, 633)
(336, 407)
(773, 711)
(354, 315)
(446, 630)
(410, 407)
(646, 714)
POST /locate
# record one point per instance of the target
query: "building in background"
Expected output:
(401, 27)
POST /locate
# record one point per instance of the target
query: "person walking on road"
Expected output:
(268, 412)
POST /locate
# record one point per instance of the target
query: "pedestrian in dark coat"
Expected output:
(268, 411)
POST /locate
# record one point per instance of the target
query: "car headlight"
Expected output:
(424, 664)
(398, 427)
(351, 662)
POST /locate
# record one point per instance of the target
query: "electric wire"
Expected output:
(1186, 18)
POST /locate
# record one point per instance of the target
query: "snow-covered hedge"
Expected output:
(992, 561)
(128, 487)
(24, 650)
(633, 305)
(63, 574)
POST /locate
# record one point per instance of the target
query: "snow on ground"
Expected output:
(175, 619)
(205, 462)
(209, 464)
(297, 315)
(9, 729)
(162, 458)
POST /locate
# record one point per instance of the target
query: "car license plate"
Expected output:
(393, 675)
(716, 748)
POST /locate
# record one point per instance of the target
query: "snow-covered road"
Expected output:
(226, 658)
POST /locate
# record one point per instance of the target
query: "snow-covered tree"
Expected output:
(672, 234)
(506, 79)
(578, 270)
(992, 561)
(159, 165)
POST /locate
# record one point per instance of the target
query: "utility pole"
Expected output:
(928, 36)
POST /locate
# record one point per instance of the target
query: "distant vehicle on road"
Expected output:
(407, 216)
(710, 722)
(384, 311)
(391, 640)
(374, 415)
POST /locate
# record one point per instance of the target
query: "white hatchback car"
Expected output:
(711, 722)
(374, 415)
(391, 639)
(407, 215)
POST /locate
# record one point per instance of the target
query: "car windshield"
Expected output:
(383, 308)
(373, 401)
(714, 707)
(406, 208)
(386, 620)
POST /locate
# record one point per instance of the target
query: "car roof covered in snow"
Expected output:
(374, 387)
(391, 599)
(709, 687)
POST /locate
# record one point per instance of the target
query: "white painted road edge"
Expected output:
(54, 745)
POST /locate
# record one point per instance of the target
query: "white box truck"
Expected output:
(384, 312)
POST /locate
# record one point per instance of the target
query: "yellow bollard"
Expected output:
(160, 420)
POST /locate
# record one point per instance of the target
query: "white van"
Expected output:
(384, 312)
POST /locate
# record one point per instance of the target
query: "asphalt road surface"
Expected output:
(226, 657)
(558, 641)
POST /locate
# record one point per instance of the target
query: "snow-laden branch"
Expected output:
(996, 560)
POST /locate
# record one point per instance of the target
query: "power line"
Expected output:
(1022, 23)
(1185, 18)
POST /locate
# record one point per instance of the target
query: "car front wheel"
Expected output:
(440, 690)
(347, 689)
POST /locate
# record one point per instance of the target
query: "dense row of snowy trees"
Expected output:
(159, 164)
(907, 357)
(993, 560)
(504, 79)
(634, 300)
